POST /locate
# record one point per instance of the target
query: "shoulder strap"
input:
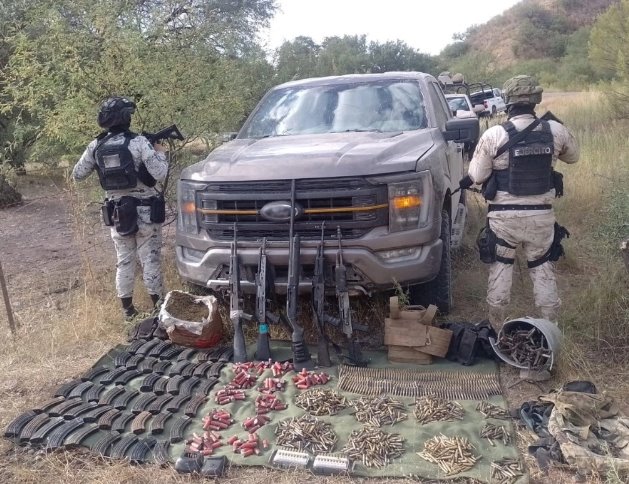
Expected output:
(517, 138)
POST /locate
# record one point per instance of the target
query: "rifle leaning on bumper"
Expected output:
(301, 355)
(236, 313)
(318, 304)
(345, 314)
(263, 349)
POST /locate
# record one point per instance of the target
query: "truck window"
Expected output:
(386, 106)
(442, 110)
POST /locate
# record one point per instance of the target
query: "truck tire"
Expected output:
(439, 290)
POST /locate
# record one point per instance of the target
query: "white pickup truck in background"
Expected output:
(488, 97)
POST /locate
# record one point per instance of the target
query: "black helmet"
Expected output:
(115, 111)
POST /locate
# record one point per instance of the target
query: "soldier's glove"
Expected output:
(465, 182)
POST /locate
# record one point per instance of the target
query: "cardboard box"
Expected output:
(418, 337)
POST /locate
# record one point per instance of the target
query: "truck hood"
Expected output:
(313, 156)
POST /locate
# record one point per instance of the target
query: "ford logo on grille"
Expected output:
(279, 211)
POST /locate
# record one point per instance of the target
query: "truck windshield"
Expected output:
(383, 106)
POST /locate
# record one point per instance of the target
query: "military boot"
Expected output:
(496, 316)
(128, 309)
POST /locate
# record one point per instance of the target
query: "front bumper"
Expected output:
(367, 270)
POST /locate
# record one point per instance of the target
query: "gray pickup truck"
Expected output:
(377, 156)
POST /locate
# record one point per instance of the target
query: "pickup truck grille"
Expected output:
(315, 196)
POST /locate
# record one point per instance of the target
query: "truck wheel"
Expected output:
(439, 290)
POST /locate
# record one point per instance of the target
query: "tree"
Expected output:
(194, 62)
(297, 59)
(344, 55)
(609, 53)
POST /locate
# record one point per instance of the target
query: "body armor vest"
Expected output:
(115, 164)
(530, 163)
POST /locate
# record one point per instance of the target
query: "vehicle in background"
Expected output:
(461, 106)
(374, 157)
(490, 98)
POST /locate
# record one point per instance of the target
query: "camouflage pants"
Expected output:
(145, 245)
(535, 235)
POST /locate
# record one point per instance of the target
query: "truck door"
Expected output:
(454, 152)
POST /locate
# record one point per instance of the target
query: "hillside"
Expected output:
(532, 29)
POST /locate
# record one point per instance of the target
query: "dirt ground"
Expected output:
(43, 248)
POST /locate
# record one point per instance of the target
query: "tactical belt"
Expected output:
(507, 206)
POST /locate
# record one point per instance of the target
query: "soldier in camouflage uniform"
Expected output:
(520, 208)
(128, 167)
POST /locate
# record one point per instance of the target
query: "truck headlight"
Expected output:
(408, 208)
(188, 219)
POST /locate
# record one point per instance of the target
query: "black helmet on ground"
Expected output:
(115, 111)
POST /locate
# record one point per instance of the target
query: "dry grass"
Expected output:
(63, 334)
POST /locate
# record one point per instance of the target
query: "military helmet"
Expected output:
(522, 90)
(115, 111)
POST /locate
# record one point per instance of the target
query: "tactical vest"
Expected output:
(530, 163)
(115, 165)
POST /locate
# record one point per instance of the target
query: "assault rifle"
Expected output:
(170, 132)
(263, 350)
(318, 304)
(342, 294)
(301, 355)
(236, 313)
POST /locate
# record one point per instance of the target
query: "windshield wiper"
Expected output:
(374, 130)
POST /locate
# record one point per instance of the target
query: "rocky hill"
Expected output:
(532, 29)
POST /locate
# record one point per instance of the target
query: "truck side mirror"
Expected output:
(226, 137)
(462, 130)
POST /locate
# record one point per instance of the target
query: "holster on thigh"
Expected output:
(488, 242)
(125, 216)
